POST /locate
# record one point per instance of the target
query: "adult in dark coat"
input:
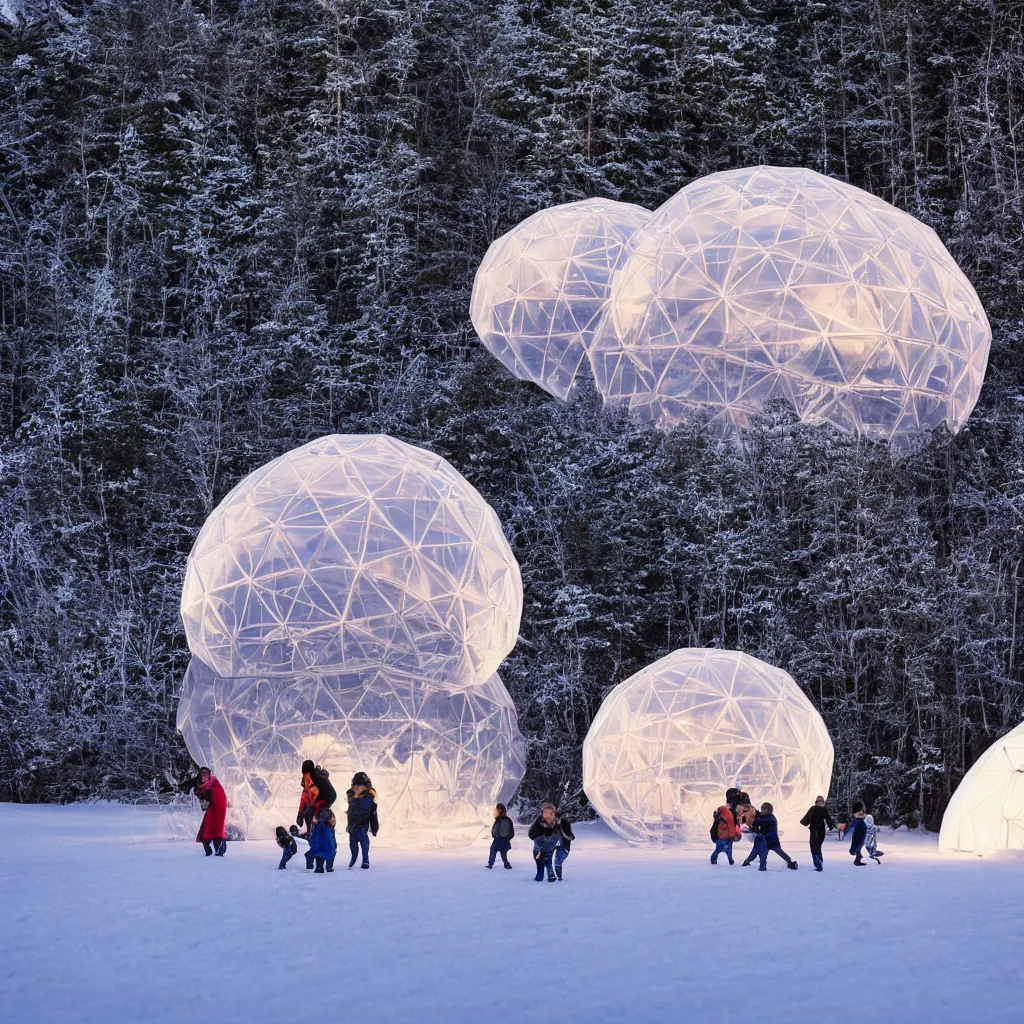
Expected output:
(819, 821)
(552, 838)
(362, 818)
(213, 832)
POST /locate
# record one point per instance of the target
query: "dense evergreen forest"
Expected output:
(230, 226)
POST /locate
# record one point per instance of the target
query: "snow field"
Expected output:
(103, 920)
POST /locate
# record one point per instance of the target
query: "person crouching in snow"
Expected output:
(819, 821)
(286, 841)
(322, 844)
(766, 828)
(503, 831)
(362, 818)
(724, 832)
(552, 838)
(213, 832)
(858, 831)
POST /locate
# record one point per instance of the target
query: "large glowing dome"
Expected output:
(771, 282)
(986, 813)
(353, 553)
(438, 760)
(542, 288)
(669, 741)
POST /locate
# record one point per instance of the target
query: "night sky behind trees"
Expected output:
(229, 227)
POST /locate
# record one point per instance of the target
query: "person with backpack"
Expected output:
(362, 818)
(316, 788)
(819, 821)
(766, 829)
(724, 830)
(502, 833)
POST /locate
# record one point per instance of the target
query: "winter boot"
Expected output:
(319, 869)
(558, 872)
(508, 866)
(792, 865)
(762, 869)
(208, 848)
(858, 863)
(366, 867)
(489, 866)
(222, 847)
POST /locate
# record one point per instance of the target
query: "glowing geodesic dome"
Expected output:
(439, 760)
(986, 813)
(773, 282)
(541, 289)
(669, 741)
(353, 553)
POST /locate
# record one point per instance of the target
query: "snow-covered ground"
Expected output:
(103, 920)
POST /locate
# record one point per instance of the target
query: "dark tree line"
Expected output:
(229, 226)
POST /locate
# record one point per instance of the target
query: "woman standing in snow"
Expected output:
(213, 832)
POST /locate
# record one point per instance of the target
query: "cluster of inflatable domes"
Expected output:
(350, 603)
(746, 286)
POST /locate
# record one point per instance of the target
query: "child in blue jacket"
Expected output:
(766, 837)
(322, 845)
(858, 830)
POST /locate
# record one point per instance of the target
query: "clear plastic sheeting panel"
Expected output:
(542, 288)
(668, 742)
(353, 553)
(439, 760)
(986, 813)
(771, 282)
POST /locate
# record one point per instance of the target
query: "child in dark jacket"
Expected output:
(288, 845)
(819, 821)
(766, 829)
(323, 846)
(502, 833)
(362, 818)
(858, 832)
(552, 838)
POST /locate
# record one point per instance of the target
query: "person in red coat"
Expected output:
(213, 832)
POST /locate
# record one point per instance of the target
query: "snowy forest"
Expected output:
(230, 226)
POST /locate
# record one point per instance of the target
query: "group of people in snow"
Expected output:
(738, 814)
(551, 833)
(552, 839)
(316, 813)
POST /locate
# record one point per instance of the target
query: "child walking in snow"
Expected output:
(552, 838)
(724, 829)
(871, 839)
(323, 846)
(819, 821)
(502, 833)
(362, 818)
(858, 831)
(766, 828)
(288, 845)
